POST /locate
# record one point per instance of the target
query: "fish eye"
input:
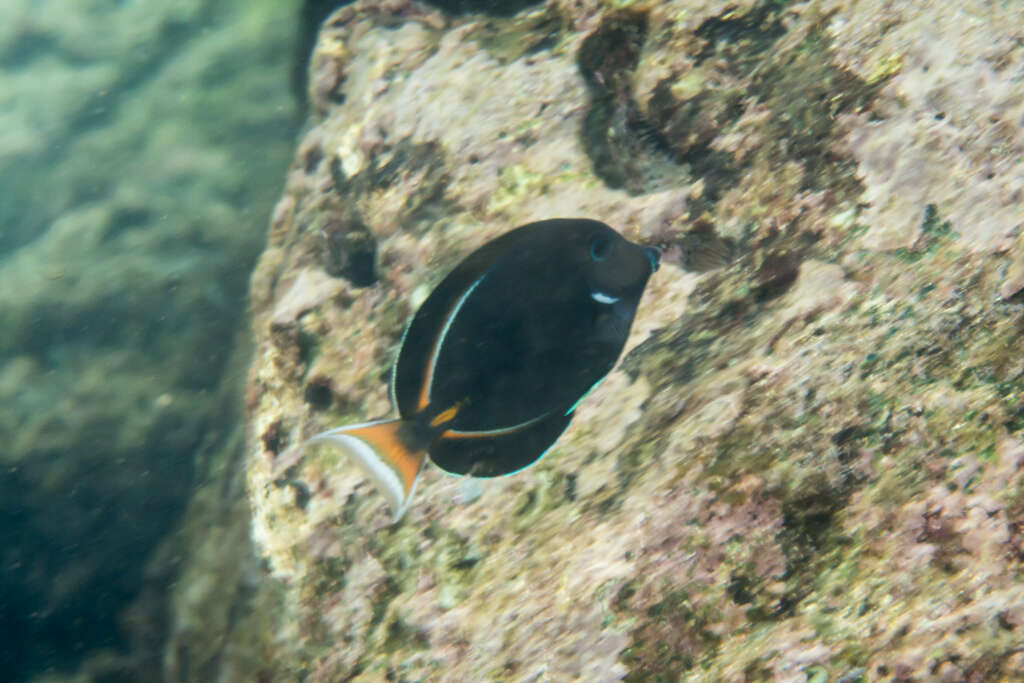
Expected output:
(599, 248)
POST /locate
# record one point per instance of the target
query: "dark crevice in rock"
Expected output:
(319, 394)
(273, 437)
(739, 62)
(776, 274)
(497, 8)
(627, 150)
(739, 588)
(810, 535)
(755, 31)
(348, 249)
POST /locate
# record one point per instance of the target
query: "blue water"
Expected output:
(142, 147)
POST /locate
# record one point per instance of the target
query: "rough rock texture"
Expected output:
(141, 147)
(809, 464)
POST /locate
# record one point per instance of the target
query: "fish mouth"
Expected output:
(654, 256)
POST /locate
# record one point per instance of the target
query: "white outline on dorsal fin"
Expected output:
(444, 333)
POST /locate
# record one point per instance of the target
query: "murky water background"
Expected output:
(142, 145)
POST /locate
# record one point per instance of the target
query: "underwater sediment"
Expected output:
(808, 464)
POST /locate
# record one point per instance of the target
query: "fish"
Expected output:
(493, 364)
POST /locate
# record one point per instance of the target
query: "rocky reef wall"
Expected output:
(808, 465)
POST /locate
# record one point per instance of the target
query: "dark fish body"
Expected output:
(492, 365)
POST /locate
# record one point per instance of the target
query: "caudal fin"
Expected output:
(378, 449)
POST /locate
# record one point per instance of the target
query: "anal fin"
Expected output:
(498, 452)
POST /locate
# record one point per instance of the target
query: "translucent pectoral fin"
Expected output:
(380, 451)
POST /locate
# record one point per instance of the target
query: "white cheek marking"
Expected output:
(602, 298)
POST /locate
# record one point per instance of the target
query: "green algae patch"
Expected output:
(526, 34)
(674, 640)
(933, 234)
(806, 92)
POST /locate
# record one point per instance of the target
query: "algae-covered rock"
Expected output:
(808, 465)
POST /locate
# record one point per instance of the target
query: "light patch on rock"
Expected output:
(310, 289)
(819, 287)
(947, 131)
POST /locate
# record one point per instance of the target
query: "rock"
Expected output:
(310, 289)
(1013, 282)
(803, 467)
(946, 129)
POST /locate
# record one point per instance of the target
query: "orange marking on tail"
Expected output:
(385, 440)
(445, 416)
